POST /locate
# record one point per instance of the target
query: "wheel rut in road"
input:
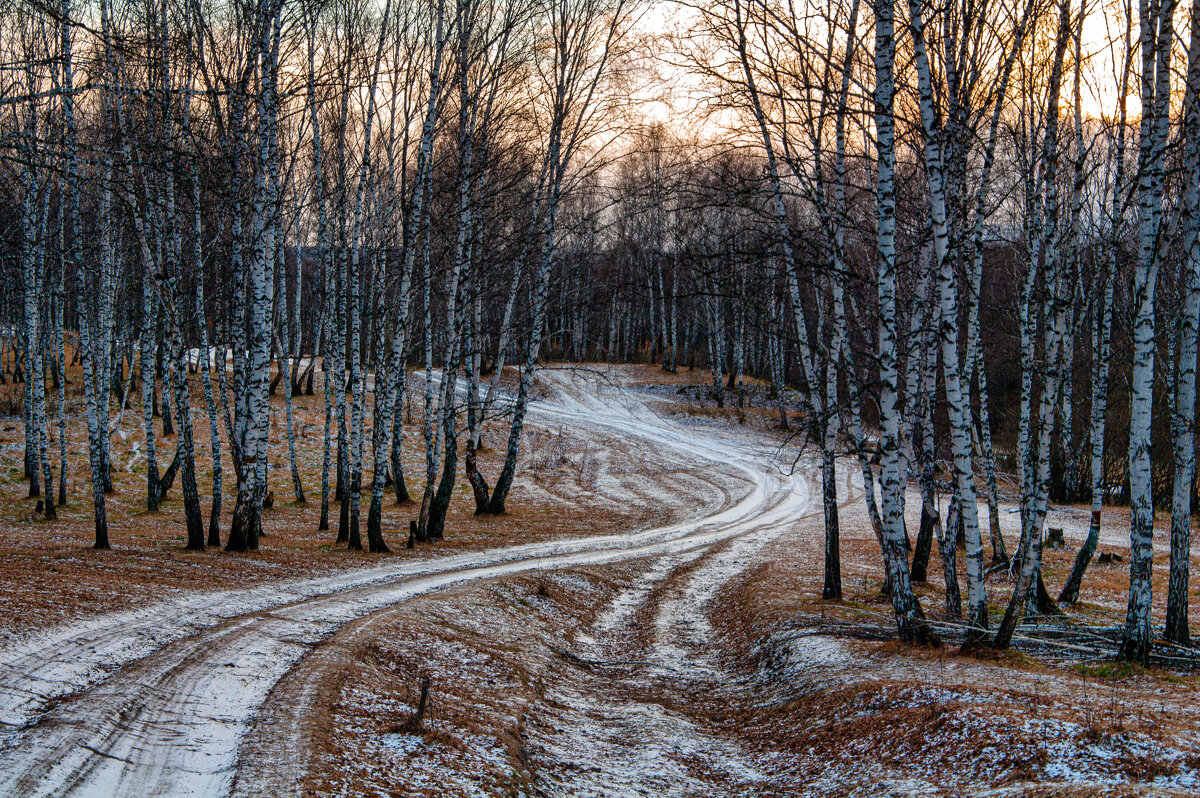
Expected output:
(157, 702)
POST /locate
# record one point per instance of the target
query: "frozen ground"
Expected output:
(687, 659)
(708, 672)
(156, 701)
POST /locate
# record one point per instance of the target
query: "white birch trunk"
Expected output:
(910, 620)
(75, 255)
(1176, 629)
(821, 412)
(32, 270)
(958, 409)
(1157, 42)
(1036, 491)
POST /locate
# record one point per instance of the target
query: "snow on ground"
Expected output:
(852, 716)
(620, 735)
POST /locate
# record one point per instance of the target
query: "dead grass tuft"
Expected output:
(1113, 670)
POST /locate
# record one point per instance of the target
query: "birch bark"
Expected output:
(1036, 490)
(75, 255)
(1156, 22)
(958, 409)
(32, 269)
(910, 620)
(1176, 629)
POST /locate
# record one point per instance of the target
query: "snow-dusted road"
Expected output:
(157, 701)
(624, 732)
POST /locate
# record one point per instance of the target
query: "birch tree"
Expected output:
(1156, 42)
(910, 620)
(1103, 323)
(75, 256)
(1184, 421)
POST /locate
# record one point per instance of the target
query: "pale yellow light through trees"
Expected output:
(671, 94)
(1104, 49)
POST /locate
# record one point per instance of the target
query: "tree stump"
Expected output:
(413, 724)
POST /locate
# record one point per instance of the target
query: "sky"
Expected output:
(672, 98)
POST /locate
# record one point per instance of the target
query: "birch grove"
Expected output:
(948, 255)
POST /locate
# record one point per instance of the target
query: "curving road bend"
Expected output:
(157, 701)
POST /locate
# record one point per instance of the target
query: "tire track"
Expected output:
(150, 704)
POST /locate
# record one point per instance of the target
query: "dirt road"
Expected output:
(157, 701)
